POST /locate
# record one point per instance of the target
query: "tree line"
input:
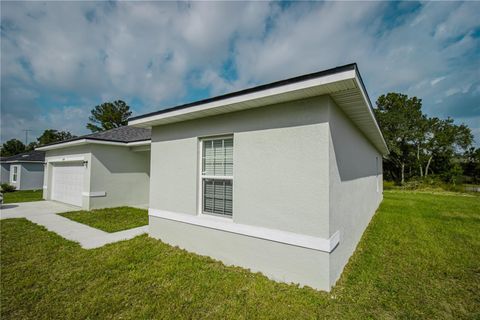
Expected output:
(421, 146)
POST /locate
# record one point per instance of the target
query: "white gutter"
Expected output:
(91, 141)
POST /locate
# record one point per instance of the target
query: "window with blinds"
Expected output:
(217, 176)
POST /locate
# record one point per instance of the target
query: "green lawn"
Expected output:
(111, 219)
(419, 259)
(22, 196)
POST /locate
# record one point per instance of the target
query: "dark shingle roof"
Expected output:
(35, 156)
(122, 134)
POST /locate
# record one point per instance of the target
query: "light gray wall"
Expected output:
(278, 261)
(123, 174)
(300, 167)
(280, 165)
(353, 186)
(5, 173)
(31, 176)
(280, 182)
(116, 170)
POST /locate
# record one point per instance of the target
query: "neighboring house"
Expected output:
(282, 178)
(104, 169)
(24, 171)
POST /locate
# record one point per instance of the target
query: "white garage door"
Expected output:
(67, 183)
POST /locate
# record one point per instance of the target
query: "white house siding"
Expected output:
(31, 176)
(353, 186)
(280, 182)
(121, 174)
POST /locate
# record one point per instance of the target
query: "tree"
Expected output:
(109, 115)
(31, 146)
(12, 147)
(445, 140)
(400, 119)
(51, 136)
(471, 165)
(418, 142)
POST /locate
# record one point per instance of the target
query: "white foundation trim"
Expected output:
(94, 194)
(290, 238)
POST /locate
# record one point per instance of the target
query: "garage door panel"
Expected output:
(67, 183)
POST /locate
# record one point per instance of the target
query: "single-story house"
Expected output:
(98, 170)
(23, 171)
(281, 178)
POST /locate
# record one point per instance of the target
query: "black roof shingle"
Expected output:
(32, 156)
(123, 134)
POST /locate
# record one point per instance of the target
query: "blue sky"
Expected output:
(60, 59)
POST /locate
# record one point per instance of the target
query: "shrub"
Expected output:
(7, 187)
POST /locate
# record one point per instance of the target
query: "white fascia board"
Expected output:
(139, 143)
(372, 115)
(90, 141)
(297, 86)
(63, 145)
(227, 225)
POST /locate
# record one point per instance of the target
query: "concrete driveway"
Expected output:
(34, 208)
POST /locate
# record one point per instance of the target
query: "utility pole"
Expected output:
(26, 136)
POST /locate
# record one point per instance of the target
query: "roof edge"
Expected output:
(347, 67)
(83, 141)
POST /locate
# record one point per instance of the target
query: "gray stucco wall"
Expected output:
(31, 176)
(280, 182)
(280, 165)
(123, 175)
(5, 173)
(300, 167)
(353, 186)
(278, 261)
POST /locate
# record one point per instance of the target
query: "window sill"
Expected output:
(227, 225)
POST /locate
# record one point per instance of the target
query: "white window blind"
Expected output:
(217, 176)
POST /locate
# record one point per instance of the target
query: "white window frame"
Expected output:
(14, 176)
(201, 176)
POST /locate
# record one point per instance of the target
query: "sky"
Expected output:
(61, 59)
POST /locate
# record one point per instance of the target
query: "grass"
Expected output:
(22, 196)
(418, 259)
(111, 219)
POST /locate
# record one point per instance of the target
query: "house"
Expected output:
(281, 178)
(24, 171)
(98, 170)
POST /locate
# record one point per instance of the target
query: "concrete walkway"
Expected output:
(44, 214)
(34, 208)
